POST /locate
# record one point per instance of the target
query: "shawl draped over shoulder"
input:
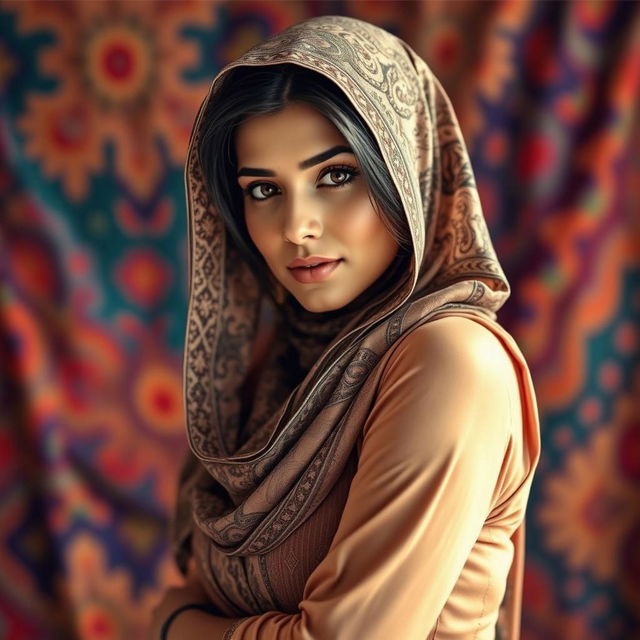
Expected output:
(264, 486)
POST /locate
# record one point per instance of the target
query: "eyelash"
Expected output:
(351, 171)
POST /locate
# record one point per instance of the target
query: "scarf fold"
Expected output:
(258, 471)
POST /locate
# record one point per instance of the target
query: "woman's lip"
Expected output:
(311, 260)
(307, 275)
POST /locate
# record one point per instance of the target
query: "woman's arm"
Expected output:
(442, 442)
(190, 623)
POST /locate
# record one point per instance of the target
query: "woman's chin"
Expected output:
(318, 308)
(318, 304)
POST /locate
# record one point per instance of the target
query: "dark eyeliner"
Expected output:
(352, 171)
(250, 187)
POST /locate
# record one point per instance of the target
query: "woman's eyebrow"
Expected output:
(305, 164)
(250, 171)
(325, 155)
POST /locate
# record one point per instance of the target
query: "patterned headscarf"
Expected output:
(257, 473)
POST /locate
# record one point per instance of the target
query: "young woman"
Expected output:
(364, 471)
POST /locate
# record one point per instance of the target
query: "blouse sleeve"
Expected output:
(437, 444)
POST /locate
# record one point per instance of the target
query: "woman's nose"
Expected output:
(303, 219)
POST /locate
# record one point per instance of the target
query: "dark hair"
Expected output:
(252, 91)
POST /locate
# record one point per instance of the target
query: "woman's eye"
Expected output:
(261, 191)
(338, 177)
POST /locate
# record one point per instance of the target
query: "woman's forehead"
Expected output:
(297, 130)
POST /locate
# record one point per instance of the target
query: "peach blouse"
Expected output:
(432, 530)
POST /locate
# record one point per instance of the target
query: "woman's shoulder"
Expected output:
(454, 345)
(453, 379)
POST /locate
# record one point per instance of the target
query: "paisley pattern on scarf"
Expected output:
(267, 492)
(93, 284)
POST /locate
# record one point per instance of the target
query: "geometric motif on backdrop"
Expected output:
(97, 100)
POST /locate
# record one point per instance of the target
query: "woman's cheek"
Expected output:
(258, 232)
(361, 222)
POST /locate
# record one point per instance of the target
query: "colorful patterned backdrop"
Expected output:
(97, 101)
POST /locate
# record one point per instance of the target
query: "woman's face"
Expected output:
(304, 199)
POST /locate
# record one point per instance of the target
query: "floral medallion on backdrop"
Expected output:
(119, 71)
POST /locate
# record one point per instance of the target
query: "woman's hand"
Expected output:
(192, 592)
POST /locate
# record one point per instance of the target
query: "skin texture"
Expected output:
(300, 210)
